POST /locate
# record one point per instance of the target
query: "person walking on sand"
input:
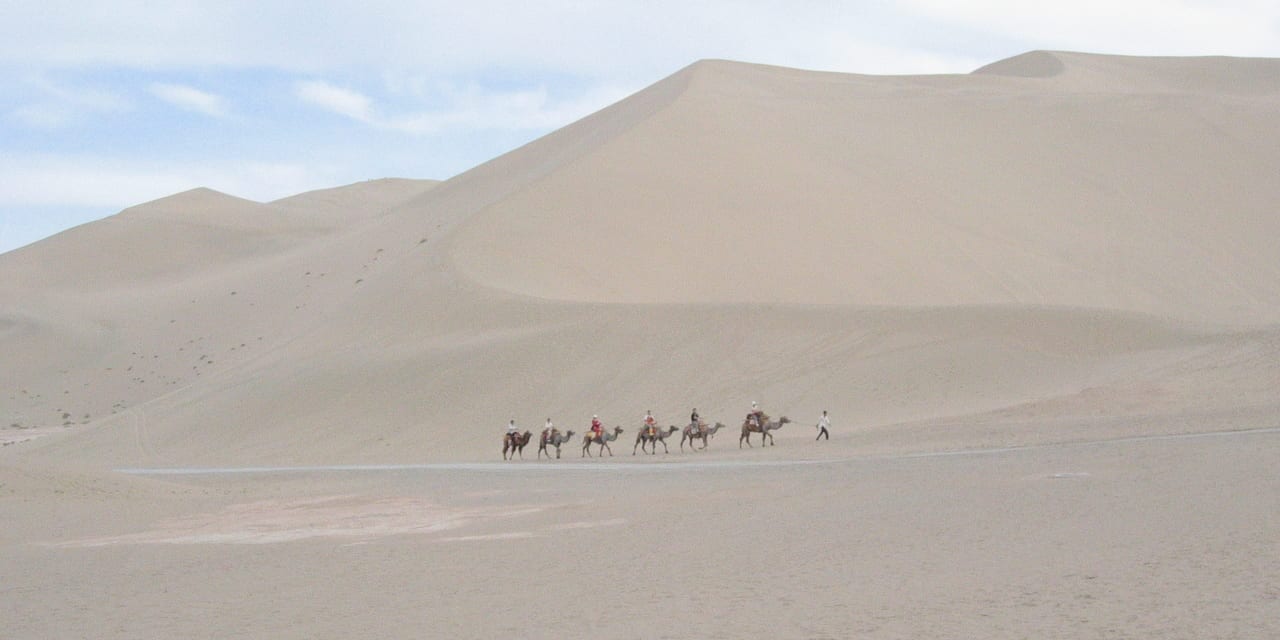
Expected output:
(822, 425)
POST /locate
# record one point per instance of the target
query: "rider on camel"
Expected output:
(597, 429)
(549, 431)
(756, 417)
(696, 421)
(650, 425)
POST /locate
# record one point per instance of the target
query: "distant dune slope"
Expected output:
(192, 234)
(145, 303)
(1132, 184)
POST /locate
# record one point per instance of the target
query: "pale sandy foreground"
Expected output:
(1134, 539)
(1041, 302)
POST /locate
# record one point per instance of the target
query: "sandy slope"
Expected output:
(136, 306)
(1108, 185)
(1057, 248)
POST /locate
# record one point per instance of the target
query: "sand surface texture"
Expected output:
(1041, 302)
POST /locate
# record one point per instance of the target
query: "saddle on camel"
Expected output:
(650, 425)
(756, 419)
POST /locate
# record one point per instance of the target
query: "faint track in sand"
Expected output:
(499, 467)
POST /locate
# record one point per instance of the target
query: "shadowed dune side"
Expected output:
(1221, 76)
(1033, 64)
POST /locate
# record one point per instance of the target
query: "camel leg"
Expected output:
(664, 447)
(605, 445)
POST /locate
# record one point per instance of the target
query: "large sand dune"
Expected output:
(1058, 248)
(1108, 185)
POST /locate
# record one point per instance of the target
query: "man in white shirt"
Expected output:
(822, 425)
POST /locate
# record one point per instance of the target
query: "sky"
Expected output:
(108, 104)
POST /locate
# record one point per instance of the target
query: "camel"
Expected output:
(555, 441)
(698, 431)
(643, 438)
(748, 429)
(515, 444)
(603, 440)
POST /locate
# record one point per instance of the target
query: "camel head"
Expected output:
(784, 420)
(569, 433)
(617, 430)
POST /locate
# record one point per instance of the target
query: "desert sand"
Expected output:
(1041, 302)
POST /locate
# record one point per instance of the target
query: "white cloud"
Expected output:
(44, 116)
(82, 97)
(56, 105)
(475, 109)
(351, 104)
(626, 42)
(468, 109)
(190, 98)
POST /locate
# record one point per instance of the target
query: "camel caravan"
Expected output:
(648, 437)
